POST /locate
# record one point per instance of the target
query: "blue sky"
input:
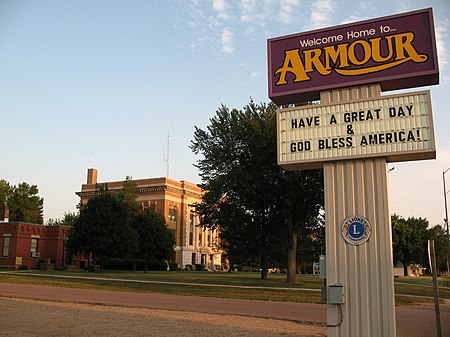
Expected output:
(99, 84)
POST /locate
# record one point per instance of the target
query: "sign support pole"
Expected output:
(365, 271)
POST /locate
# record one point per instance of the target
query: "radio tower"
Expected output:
(166, 154)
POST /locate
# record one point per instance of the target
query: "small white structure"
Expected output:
(414, 270)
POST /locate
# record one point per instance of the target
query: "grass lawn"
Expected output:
(242, 285)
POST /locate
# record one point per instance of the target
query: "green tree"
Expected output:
(440, 237)
(5, 190)
(301, 199)
(245, 186)
(155, 240)
(68, 219)
(128, 194)
(312, 245)
(409, 238)
(25, 205)
(103, 229)
(234, 166)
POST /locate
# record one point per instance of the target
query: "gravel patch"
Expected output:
(25, 317)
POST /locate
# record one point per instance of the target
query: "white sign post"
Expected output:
(352, 134)
(359, 187)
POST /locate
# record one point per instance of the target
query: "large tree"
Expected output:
(245, 186)
(301, 199)
(156, 241)
(440, 237)
(235, 172)
(24, 202)
(68, 219)
(103, 229)
(409, 238)
(5, 190)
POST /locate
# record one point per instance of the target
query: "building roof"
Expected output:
(143, 186)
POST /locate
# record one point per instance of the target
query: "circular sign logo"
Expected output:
(356, 229)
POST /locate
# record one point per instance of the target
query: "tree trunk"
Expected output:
(134, 265)
(405, 268)
(292, 259)
(145, 267)
(263, 250)
(263, 266)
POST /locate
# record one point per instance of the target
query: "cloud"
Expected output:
(363, 12)
(321, 13)
(247, 10)
(256, 74)
(287, 8)
(227, 41)
(441, 34)
(250, 14)
(220, 7)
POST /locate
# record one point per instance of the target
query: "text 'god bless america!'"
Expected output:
(351, 137)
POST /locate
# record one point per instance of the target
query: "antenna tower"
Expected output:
(166, 154)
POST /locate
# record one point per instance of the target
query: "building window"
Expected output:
(194, 258)
(146, 204)
(191, 230)
(172, 215)
(200, 239)
(6, 240)
(34, 247)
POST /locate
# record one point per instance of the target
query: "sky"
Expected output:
(103, 84)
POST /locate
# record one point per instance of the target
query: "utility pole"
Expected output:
(446, 220)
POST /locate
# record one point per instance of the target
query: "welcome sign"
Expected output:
(398, 127)
(397, 51)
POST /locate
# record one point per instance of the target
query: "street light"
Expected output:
(446, 219)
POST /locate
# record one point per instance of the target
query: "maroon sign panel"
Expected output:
(396, 51)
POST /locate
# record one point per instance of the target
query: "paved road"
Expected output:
(411, 321)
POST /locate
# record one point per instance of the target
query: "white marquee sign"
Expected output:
(398, 127)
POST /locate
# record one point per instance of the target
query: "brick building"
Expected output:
(27, 244)
(173, 199)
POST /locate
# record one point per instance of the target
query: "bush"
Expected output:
(38, 264)
(173, 266)
(22, 267)
(200, 267)
(157, 266)
(189, 267)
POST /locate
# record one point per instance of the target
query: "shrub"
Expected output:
(189, 267)
(157, 265)
(200, 267)
(173, 266)
(39, 261)
(22, 267)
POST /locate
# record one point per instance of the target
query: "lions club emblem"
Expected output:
(356, 229)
